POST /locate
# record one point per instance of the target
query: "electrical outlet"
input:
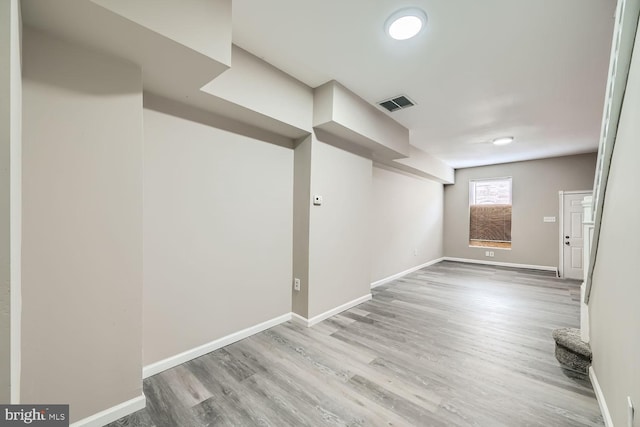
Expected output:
(296, 284)
(415, 252)
(488, 253)
(629, 412)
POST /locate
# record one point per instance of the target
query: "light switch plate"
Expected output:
(549, 219)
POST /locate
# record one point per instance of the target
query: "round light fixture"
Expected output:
(503, 141)
(406, 23)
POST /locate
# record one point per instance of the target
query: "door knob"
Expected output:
(566, 243)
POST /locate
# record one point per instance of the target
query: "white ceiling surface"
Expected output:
(533, 69)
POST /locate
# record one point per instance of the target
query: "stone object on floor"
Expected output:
(571, 351)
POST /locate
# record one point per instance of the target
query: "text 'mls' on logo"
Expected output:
(34, 415)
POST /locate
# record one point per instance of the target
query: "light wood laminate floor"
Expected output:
(449, 345)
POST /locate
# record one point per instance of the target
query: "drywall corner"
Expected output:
(10, 200)
(341, 117)
(425, 165)
(203, 26)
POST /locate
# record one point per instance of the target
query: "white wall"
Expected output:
(406, 229)
(10, 199)
(217, 233)
(82, 227)
(339, 239)
(260, 87)
(613, 306)
(343, 119)
(201, 25)
(425, 165)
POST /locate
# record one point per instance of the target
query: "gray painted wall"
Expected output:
(217, 233)
(82, 227)
(339, 230)
(535, 187)
(301, 207)
(614, 314)
(407, 216)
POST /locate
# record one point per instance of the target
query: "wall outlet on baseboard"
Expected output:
(415, 252)
(488, 253)
(296, 284)
(629, 412)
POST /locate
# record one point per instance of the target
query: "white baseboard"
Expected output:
(107, 416)
(320, 317)
(608, 422)
(503, 264)
(404, 273)
(170, 362)
(296, 318)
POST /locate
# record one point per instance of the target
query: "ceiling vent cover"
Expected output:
(396, 103)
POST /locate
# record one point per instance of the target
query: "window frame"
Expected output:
(472, 197)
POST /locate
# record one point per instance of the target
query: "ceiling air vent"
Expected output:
(396, 103)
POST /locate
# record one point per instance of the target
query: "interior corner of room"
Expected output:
(166, 192)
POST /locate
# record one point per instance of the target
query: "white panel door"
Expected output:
(572, 236)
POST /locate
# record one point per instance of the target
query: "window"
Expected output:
(490, 213)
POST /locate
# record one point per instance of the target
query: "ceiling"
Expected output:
(532, 69)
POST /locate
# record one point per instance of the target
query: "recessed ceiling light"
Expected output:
(406, 23)
(503, 141)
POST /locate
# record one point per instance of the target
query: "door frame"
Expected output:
(561, 195)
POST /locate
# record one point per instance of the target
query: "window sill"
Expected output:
(489, 247)
(489, 244)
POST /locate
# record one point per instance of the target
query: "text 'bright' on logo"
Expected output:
(34, 415)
